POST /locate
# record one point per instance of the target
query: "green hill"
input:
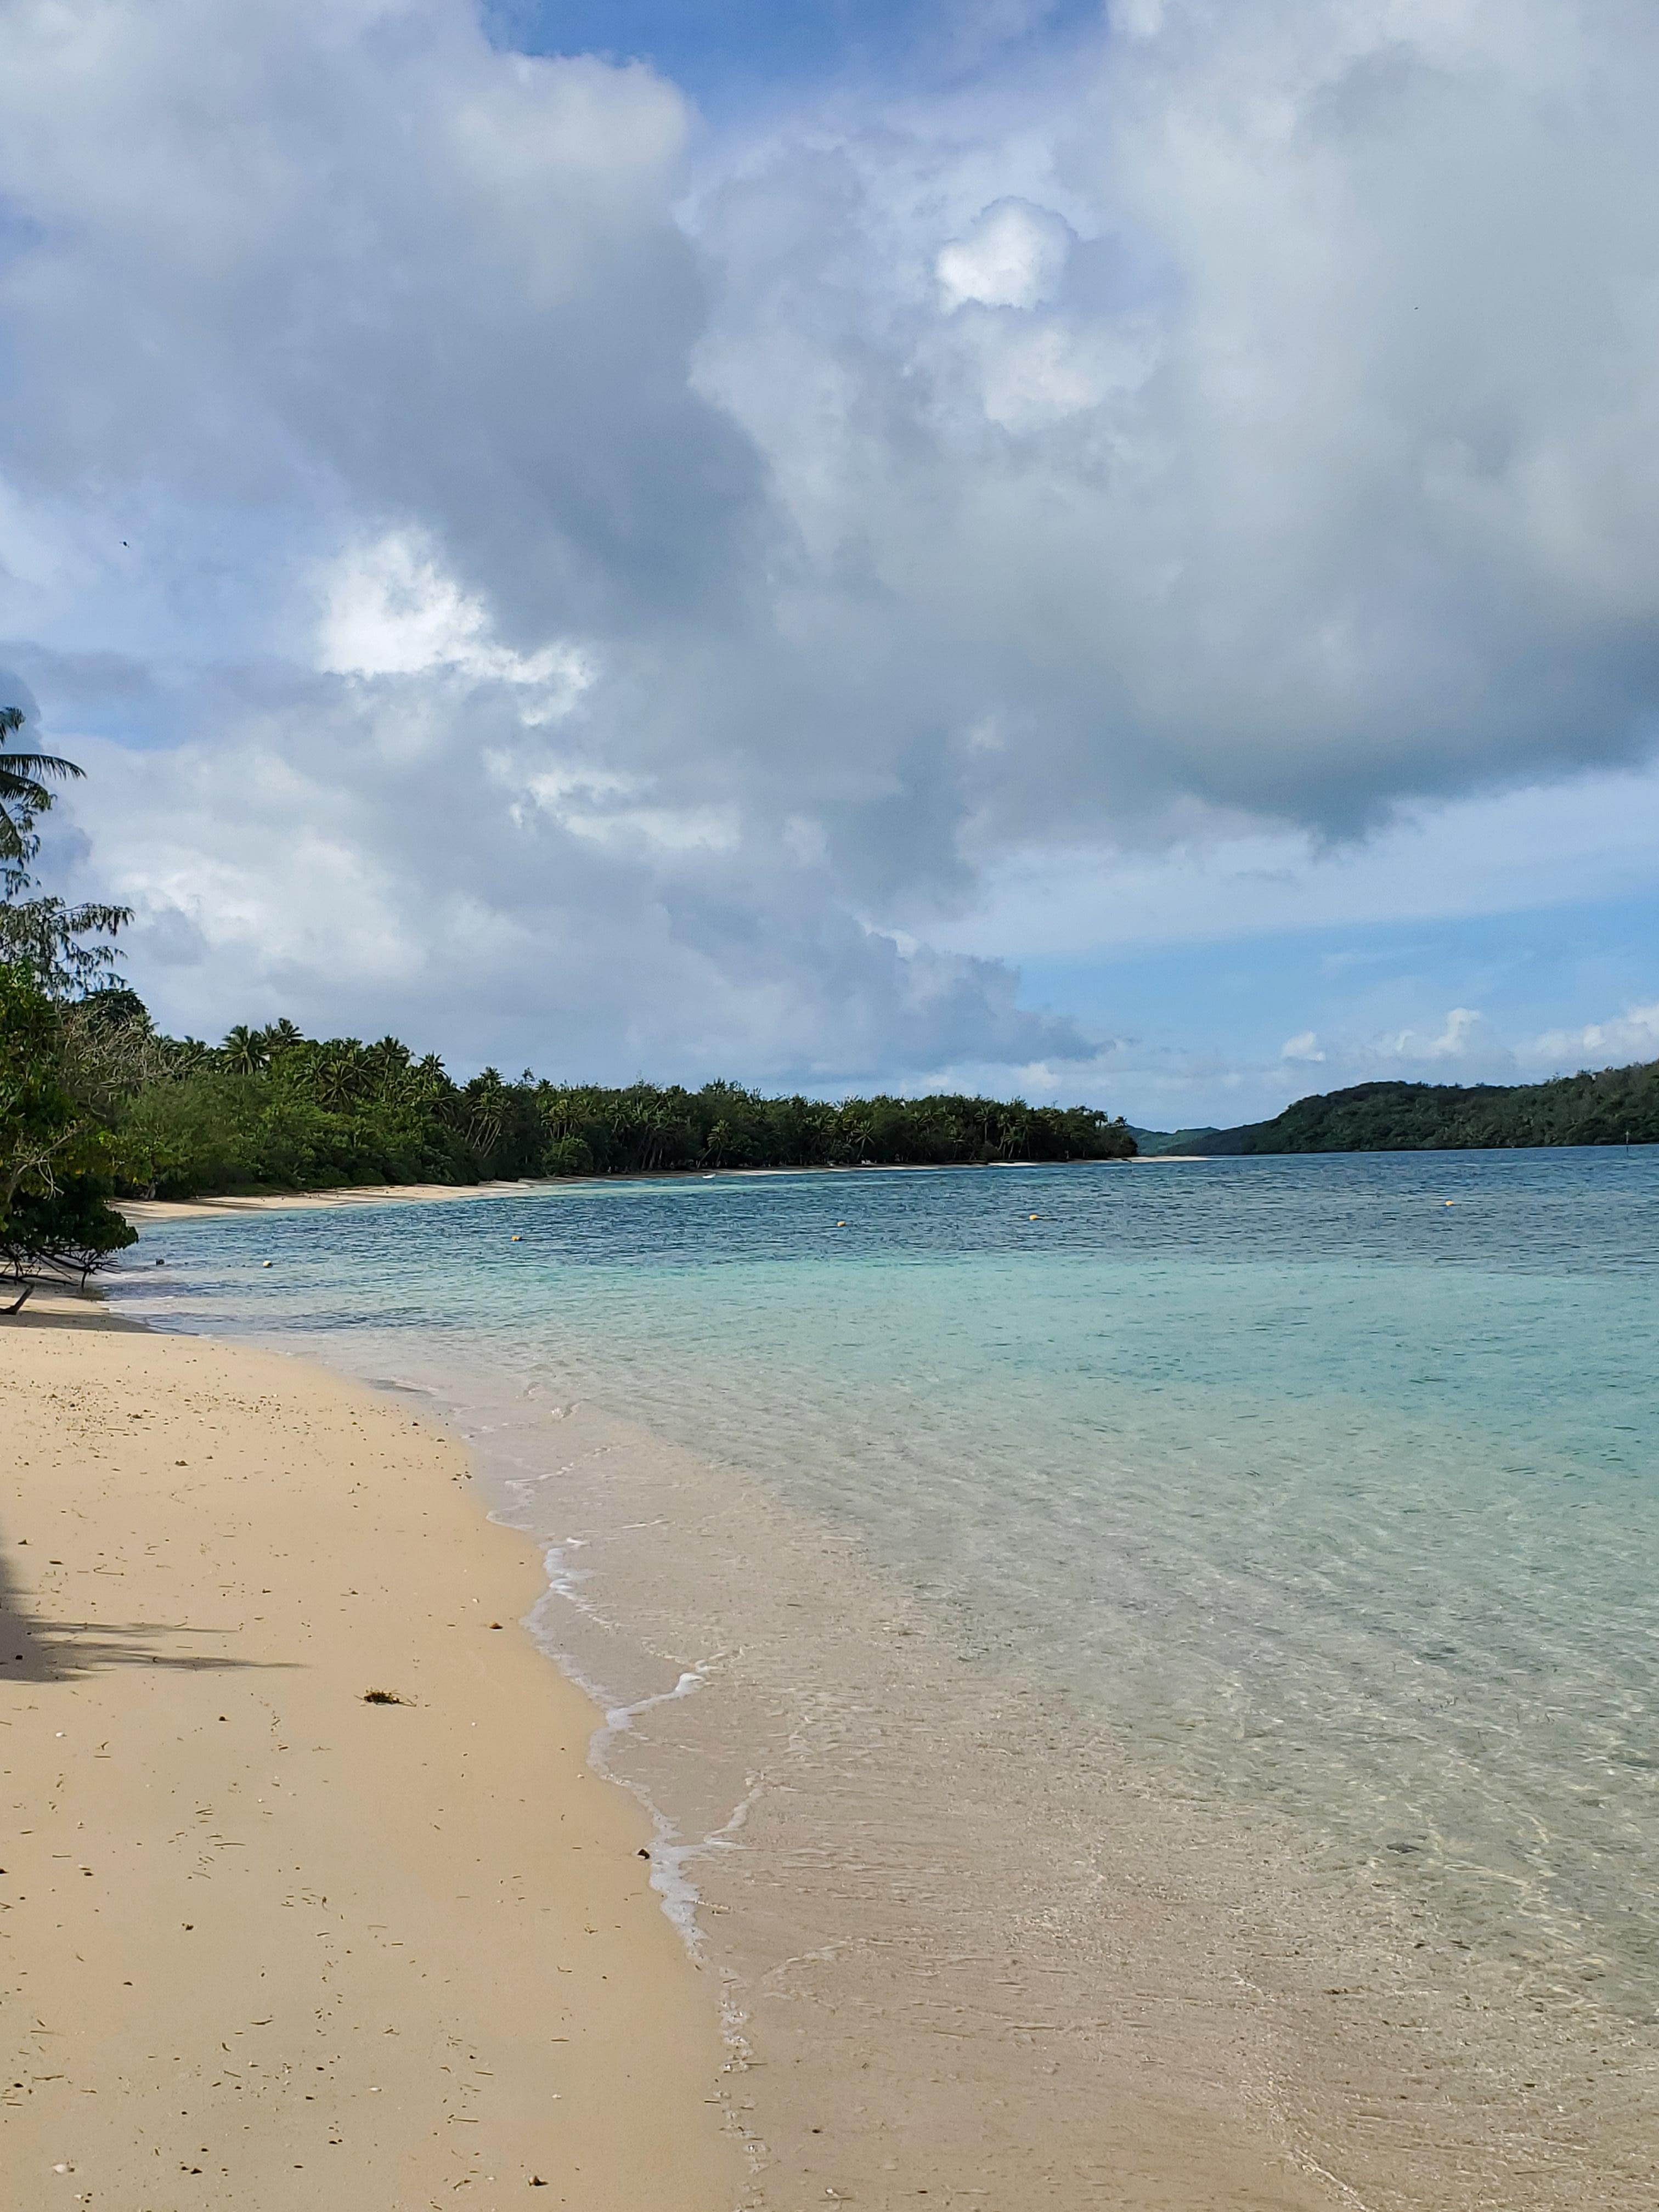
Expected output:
(1612, 1107)
(1152, 1142)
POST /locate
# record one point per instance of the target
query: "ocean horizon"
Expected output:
(1072, 1620)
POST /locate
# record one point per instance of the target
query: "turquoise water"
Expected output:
(1336, 1497)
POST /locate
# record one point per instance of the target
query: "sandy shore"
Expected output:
(138, 1211)
(264, 1944)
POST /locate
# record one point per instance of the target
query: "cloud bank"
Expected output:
(580, 589)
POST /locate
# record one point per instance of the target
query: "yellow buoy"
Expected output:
(517, 1240)
(1034, 1217)
(841, 1225)
(264, 1263)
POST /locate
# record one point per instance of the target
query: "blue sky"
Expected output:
(1102, 552)
(1528, 975)
(722, 53)
(732, 56)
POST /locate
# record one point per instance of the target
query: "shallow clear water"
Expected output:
(1338, 1500)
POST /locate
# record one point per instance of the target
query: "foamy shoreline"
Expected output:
(257, 1930)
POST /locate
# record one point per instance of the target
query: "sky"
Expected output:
(1106, 553)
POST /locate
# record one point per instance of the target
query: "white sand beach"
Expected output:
(265, 1944)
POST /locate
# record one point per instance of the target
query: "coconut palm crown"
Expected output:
(23, 793)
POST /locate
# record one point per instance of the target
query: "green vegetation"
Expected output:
(59, 1158)
(1616, 1106)
(272, 1109)
(1153, 1144)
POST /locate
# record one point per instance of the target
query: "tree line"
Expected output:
(271, 1108)
(1612, 1106)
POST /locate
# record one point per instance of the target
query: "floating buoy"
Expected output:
(517, 1240)
(841, 1225)
(264, 1263)
(1034, 1217)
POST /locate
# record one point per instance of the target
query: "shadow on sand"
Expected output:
(61, 1306)
(33, 1649)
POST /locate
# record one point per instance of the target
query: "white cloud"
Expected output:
(1297, 487)
(390, 609)
(1303, 1046)
(1627, 1037)
(1464, 1032)
(1013, 255)
(314, 859)
(1137, 19)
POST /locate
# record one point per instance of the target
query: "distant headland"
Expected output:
(1615, 1106)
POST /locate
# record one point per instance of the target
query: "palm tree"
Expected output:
(245, 1050)
(336, 1076)
(22, 793)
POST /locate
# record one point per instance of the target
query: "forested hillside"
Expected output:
(1153, 1144)
(1618, 1104)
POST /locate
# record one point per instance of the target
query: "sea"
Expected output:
(1146, 1676)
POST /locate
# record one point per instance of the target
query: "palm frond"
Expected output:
(21, 773)
(22, 789)
(17, 765)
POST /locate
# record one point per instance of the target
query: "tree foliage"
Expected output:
(58, 1157)
(1611, 1107)
(270, 1109)
(50, 939)
(63, 1011)
(70, 950)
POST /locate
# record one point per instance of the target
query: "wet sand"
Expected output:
(979, 1953)
(265, 1944)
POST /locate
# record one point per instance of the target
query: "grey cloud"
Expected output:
(14, 692)
(93, 690)
(1347, 496)
(316, 860)
(165, 937)
(349, 256)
